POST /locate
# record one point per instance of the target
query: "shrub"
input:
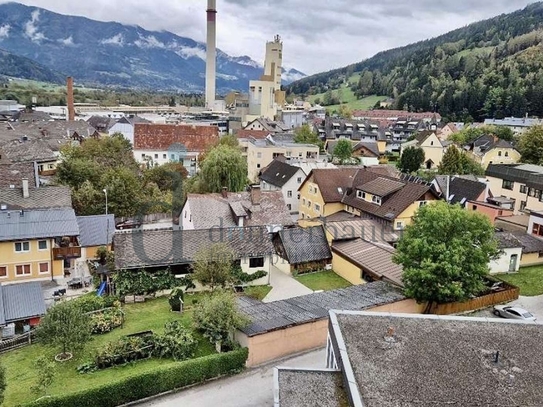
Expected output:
(124, 350)
(175, 299)
(150, 383)
(177, 342)
(92, 302)
(106, 320)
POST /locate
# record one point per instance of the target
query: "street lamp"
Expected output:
(105, 192)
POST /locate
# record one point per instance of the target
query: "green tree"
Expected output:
(217, 317)
(470, 166)
(530, 146)
(445, 254)
(411, 160)
(167, 177)
(230, 141)
(46, 371)
(224, 166)
(3, 383)
(304, 135)
(65, 327)
(213, 266)
(451, 164)
(343, 150)
(345, 112)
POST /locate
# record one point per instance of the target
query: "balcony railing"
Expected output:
(60, 253)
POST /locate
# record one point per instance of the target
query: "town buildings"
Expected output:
(281, 176)
(517, 124)
(434, 148)
(489, 149)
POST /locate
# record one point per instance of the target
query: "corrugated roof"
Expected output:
(22, 301)
(271, 316)
(373, 257)
(96, 230)
(40, 198)
(155, 248)
(304, 245)
(37, 224)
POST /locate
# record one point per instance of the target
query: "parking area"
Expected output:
(531, 304)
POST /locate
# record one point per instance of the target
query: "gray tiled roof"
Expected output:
(507, 240)
(13, 174)
(382, 187)
(278, 173)
(96, 230)
(21, 301)
(31, 150)
(304, 245)
(156, 248)
(267, 317)
(40, 198)
(37, 224)
(530, 244)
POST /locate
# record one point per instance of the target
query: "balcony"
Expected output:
(62, 253)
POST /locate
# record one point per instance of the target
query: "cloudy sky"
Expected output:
(318, 34)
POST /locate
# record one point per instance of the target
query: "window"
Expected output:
(423, 203)
(540, 256)
(256, 262)
(185, 214)
(309, 204)
(399, 225)
(42, 244)
(289, 207)
(303, 201)
(537, 229)
(360, 194)
(508, 184)
(258, 166)
(299, 180)
(143, 155)
(499, 153)
(376, 200)
(156, 156)
(317, 208)
(474, 207)
(164, 156)
(289, 194)
(3, 271)
(44, 267)
(258, 155)
(523, 189)
(21, 247)
(23, 270)
(522, 205)
(432, 143)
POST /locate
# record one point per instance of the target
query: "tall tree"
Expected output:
(65, 327)
(445, 254)
(343, 150)
(224, 166)
(530, 146)
(451, 164)
(411, 160)
(345, 111)
(304, 135)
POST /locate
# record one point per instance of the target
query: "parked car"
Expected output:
(505, 311)
(129, 224)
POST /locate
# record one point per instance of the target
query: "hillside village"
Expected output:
(346, 257)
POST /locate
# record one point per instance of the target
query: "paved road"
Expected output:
(251, 389)
(531, 304)
(284, 286)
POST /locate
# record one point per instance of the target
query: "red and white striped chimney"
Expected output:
(70, 98)
(211, 54)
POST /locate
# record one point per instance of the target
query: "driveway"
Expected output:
(249, 389)
(531, 304)
(284, 286)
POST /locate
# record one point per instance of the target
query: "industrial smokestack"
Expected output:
(70, 98)
(211, 53)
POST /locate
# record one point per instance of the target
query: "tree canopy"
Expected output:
(470, 134)
(455, 162)
(223, 166)
(304, 135)
(530, 146)
(445, 253)
(411, 160)
(343, 151)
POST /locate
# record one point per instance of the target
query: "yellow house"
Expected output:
(95, 232)
(322, 191)
(37, 244)
(434, 149)
(490, 149)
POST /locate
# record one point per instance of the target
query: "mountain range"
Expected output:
(489, 69)
(113, 54)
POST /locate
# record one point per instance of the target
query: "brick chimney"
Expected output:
(26, 192)
(224, 192)
(70, 98)
(256, 194)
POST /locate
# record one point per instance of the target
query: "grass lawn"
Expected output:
(257, 292)
(528, 279)
(150, 315)
(324, 280)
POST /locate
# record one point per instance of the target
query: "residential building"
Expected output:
(434, 148)
(12, 174)
(37, 244)
(293, 117)
(280, 176)
(95, 231)
(509, 259)
(252, 248)
(260, 153)
(102, 124)
(367, 152)
(21, 307)
(517, 124)
(448, 130)
(26, 198)
(157, 144)
(532, 249)
(522, 184)
(334, 129)
(489, 149)
(302, 250)
(461, 189)
(125, 126)
(322, 191)
(233, 209)
(385, 360)
(491, 211)
(266, 124)
(385, 114)
(287, 327)
(36, 151)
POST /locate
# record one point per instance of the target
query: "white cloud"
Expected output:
(149, 42)
(67, 41)
(31, 29)
(115, 40)
(4, 31)
(189, 52)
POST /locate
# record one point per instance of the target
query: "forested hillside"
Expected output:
(492, 68)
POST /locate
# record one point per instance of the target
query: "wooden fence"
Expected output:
(17, 342)
(506, 293)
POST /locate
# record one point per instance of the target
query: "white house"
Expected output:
(510, 254)
(280, 176)
(125, 126)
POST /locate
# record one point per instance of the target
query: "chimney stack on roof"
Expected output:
(256, 194)
(70, 98)
(26, 192)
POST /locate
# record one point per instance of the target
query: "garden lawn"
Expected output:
(257, 292)
(150, 315)
(323, 280)
(528, 279)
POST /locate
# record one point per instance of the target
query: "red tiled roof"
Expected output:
(162, 136)
(332, 182)
(258, 134)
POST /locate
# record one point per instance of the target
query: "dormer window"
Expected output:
(360, 195)
(376, 200)
(499, 153)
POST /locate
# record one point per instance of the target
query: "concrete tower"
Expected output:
(211, 63)
(273, 62)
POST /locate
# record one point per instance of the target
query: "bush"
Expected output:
(92, 302)
(150, 383)
(177, 342)
(124, 350)
(106, 320)
(175, 299)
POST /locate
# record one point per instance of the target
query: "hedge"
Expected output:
(153, 382)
